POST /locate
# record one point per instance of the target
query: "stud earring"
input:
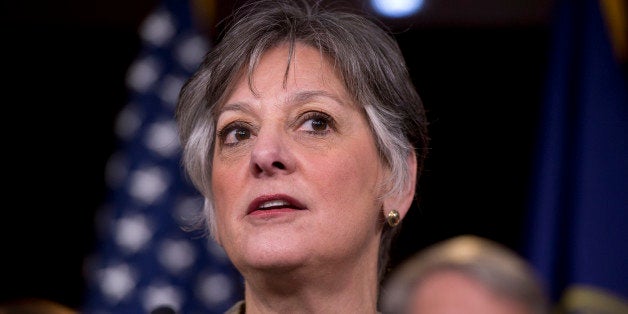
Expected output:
(392, 218)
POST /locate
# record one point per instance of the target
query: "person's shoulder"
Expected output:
(238, 308)
(35, 305)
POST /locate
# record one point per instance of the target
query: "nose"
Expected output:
(271, 155)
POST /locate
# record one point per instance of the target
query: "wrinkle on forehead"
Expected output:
(292, 46)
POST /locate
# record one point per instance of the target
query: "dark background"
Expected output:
(478, 65)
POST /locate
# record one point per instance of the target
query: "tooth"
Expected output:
(274, 203)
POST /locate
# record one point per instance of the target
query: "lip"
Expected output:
(255, 204)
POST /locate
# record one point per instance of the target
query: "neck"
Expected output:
(336, 287)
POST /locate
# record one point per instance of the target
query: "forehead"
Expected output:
(287, 67)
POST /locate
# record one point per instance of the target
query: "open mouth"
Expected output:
(274, 204)
(266, 203)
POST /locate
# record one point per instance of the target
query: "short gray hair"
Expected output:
(369, 63)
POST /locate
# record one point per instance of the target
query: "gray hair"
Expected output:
(495, 266)
(368, 62)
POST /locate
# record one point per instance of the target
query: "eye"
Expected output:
(234, 133)
(316, 123)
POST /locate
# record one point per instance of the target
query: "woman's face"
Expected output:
(296, 175)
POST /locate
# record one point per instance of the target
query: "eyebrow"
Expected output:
(295, 99)
(305, 96)
(236, 106)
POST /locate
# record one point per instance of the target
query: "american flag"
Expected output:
(144, 258)
(578, 212)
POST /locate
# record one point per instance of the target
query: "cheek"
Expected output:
(225, 189)
(350, 198)
(220, 187)
(353, 177)
(225, 175)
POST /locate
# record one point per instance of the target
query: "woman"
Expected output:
(304, 133)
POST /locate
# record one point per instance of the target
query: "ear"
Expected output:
(402, 201)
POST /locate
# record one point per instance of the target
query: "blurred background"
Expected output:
(74, 97)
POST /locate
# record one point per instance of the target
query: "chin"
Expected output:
(275, 257)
